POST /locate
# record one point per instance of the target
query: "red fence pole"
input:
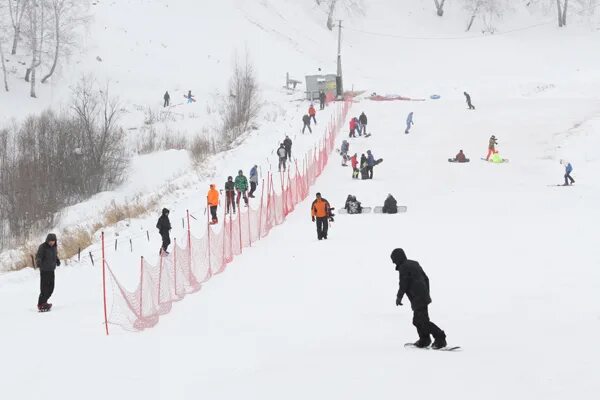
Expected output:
(104, 284)
(260, 215)
(175, 265)
(189, 238)
(249, 229)
(240, 226)
(141, 285)
(208, 235)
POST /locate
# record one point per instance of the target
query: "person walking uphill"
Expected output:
(167, 99)
(321, 214)
(469, 104)
(568, 170)
(164, 226)
(282, 154)
(414, 283)
(287, 143)
(229, 195)
(409, 122)
(46, 260)
(312, 113)
(306, 120)
(241, 186)
(253, 180)
(322, 98)
(213, 203)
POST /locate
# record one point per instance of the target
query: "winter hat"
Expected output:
(398, 256)
(212, 185)
(165, 211)
(318, 194)
(51, 238)
(229, 178)
(240, 172)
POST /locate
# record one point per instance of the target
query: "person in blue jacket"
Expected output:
(409, 122)
(568, 170)
(253, 180)
(370, 163)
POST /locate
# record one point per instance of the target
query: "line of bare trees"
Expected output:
(54, 160)
(45, 31)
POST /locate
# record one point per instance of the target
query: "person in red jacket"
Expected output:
(353, 126)
(312, 113)
(355, 170)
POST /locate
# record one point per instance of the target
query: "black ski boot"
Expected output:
(421, 343)
(439, 343)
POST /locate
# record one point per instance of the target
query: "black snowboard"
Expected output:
(379, 209)
(379, 161)
(447, 348)
(453, 160)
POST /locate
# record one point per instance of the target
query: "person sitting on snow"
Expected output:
(390, 205)
(352, 205)
(460, 157)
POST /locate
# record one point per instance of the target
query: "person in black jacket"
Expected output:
(415, 284)
(167, 98)
(390, 205)
(164, 226)
(230, 195)
(306, 120)
(321, 100)
(468, 97)
(363, 122)
(287, 143)
(46, 260)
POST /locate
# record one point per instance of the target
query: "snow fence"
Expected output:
(195, 262)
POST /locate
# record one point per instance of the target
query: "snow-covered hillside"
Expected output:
(511, 256)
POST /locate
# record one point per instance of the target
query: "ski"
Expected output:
(447, 348)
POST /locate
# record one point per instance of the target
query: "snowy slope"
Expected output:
(511, 257)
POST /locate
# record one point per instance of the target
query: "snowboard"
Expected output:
(447, 348)
(365, 210)
(504, 160)
(379, 209)
(379, 161)
(367, 135)
(453, 160)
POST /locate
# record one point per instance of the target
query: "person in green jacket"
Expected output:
(241, 186)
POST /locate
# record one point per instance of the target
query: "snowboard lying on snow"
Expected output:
(376, 210)
(447, 348)
(453, 160)
(504, 160)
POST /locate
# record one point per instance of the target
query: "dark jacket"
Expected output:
(163, 224)
(306, 119)
(353, 206)
(390, 205)
(166, 96)
(413, 280)
(468, 97)
(287, 143)
(46, 258)
(362, 119)
(370, 159)
(322, 97)
(229, 187)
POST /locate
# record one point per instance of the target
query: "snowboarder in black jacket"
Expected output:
(415, 284)
(46, 260)
(468, 97)
(287, 143)
(390, 205)
(363, 122)
(164, 226)
(306, 120)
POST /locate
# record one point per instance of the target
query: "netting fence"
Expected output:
(198, 259)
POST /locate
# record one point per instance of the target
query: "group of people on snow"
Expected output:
(358, 125)
(310, 116)
(284, 153)
(167, 98)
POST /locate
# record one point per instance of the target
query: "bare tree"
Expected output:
(3, 67)
(473, 6)
(36, 34)
(562, 12)
(16, 11)
(439, 5)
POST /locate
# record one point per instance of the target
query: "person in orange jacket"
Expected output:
(213, 203)
(312, 113)
(321, 213)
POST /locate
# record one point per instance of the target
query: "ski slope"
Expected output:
(511, 257)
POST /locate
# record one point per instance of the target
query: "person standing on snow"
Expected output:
(370, 163)
(409, 122)
(321, 214)
(167, 99)
(468, 97)
(230, 195)
(362, 119)
(306, 120)
(213, 203)
(344, 151)
(353, 127)
(415, 284)
(364, 167)
(354, 162)
(46, 260)
(287, 143)
(241, 186)
(322, 100)
(312, 113)
(282, 154)
(491, 147)
(568, 170)
(164, 226)
(189, 97)
(253, 180)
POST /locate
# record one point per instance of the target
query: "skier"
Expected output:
(321, 213)
(491, 147)
(306, 120)
(164, 226)
(241, 186)
(312, 113)
(189, 97)
(415, 284)
(370, 163)
(364, 167)
(390, 205)
(468, 97)
(282, 154)
(344, 152)
(253, 180)
(213, 203)
(230, 195)
(353, 206)
(461, 157)
(354, 162)
(363, 122)
(46, 260)
(353, 127)
(287, 143)
(167, 99)
(409, 122)
(568, 170)
(322, 100)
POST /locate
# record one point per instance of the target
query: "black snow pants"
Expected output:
(306, 126)
(166, 241)
(322, 227)
(282, 161)
(46, 286)
(213, 213)
(568, 178)
(425, 327)
(230, 201)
